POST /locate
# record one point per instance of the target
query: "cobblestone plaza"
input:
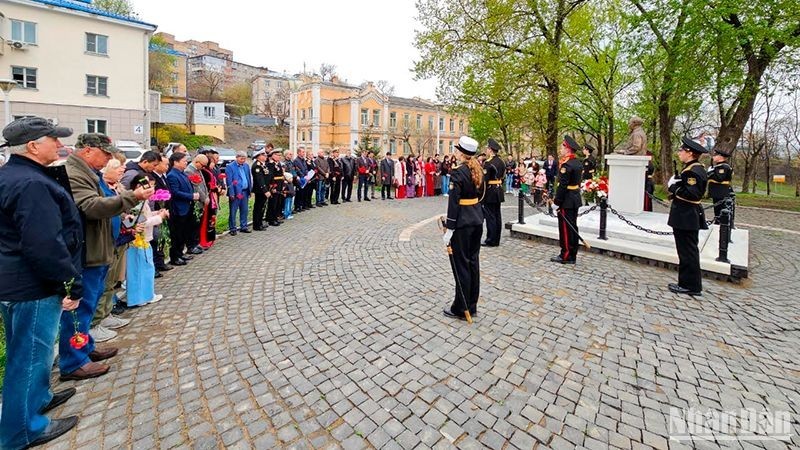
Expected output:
(327, 332)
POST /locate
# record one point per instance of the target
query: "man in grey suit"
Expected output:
(387, 176)
(198, 163)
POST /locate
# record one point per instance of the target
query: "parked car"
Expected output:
(258, 144)
(132, 150)
(226, 156)
(170, 147)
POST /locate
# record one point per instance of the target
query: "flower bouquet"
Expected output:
(78, 339)
(160, 198)
(595, 189)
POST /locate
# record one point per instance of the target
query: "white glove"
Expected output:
(672, 181)
(447, 236)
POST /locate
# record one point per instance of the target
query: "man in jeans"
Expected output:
(40, 255)
(93, 151)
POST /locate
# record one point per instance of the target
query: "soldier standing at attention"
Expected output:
(464, 228)
(275, 182)
(568, 200)
(649, 186)
(686, 217)
(589, 163)
(260, 189)
(494, 169)
(720, 175)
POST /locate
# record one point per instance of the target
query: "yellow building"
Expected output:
(328, 114)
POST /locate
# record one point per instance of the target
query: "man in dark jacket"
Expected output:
(337, 171)
(135, 171)
(40, 256)
(686, 217)
(494, 170)
(387, 176)
(348, 174)
(300, 166)
(550, 171)
(568, 200)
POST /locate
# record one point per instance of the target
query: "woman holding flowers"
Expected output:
(140, 269)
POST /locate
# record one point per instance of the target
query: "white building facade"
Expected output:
(84, 68)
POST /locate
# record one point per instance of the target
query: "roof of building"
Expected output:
(167, 50)
(411, 102)
(85, 6)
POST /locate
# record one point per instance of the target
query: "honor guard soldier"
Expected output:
(720, 175)
(589, 163)
(464, 228)
(494, 169)
(686, 216)
(275, 180)
(568, 200)
(260, 188)
(649, 185)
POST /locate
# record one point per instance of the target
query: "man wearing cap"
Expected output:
(686, 216)
(260, 188)
(240, 185)
(720, 175)
(568, 200)
(337, 172)
(40, 254)
(494, 170)
(93, 151)
(649, 184)
(275, 180)
(589, 163)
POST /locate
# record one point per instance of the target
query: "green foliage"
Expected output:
(121, 7)
(238, 98)
(177, 133)
(160, 66)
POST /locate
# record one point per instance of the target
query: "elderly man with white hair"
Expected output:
(193, 170)
(240, 184)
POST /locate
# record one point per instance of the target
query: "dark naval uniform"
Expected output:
(719, 185)
(494, 170)
(686, 217)
(589, 167)
(568, 200)
(260, 188)
(275, 180)
(465, 217)
(649, 186)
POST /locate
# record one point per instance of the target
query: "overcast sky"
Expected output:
(365, 39)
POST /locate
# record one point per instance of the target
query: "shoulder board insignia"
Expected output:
(451, 186)
(563, 170)
(258, 170)
(691, 181)
(721, 171)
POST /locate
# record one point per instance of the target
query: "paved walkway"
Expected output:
(327, 333)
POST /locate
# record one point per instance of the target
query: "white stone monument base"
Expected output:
(626, 240)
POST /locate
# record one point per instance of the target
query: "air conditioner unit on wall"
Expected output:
(17, 45)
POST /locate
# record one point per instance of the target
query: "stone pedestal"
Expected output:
(626, 176)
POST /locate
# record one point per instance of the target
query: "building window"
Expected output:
(96, 85)
(393, 120)
(175, 62)
(441, 146)
(406, 147)
(24, 76)
(310, 135)
(419, 121)
(430, 123)
(22, 31)
(303, 136)
(303, 113)
(406, 120)
(174, 76)
(441, 123)
(376, 144)
(96, 126)
(173, 90)
(376, 117)
(452, 125)
(392, 146)
(97, 43)
(461, 126)
(311, 112)
(364, 117)
(209, 112)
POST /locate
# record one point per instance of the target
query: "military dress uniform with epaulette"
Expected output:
(260, 188)
(275, 180)
(589, 167)
(465, 217)
(719, 186)
(649, 186)
(568, 200)
(494, 171)
(686, 217)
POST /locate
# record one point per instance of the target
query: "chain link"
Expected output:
(638, 227)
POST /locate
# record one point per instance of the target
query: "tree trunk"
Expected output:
(766, 174)
(730, 131)
(665, 124)
(553, 94)
(746, 175)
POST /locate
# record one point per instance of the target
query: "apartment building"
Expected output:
(84, 68)
(328, 114)
(193, 48)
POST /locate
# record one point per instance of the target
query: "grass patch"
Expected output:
(224, 211)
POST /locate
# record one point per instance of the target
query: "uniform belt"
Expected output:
(687, 201)
(574, 187)
(468, 201)
(649, 176)
(495, 182)
(719, 182)
(278, 178)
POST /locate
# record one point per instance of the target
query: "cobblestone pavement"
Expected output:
(327, 332)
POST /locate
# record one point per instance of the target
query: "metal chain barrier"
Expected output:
(583, 213)
(661, 202)
(638, 227)
(531, 203)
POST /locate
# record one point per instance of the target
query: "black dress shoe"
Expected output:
(158, 275)
(448, 313)
(367, 200)
(233, 232)
(120, 308)
(196, 251)
(56, 428)
(682, 290)
(275, 224)
(178, 262)
(163, 268)
(59, 398)
(245, 230)
(557, 259)
(187, 257)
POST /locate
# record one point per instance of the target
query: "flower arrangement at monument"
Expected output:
(595, 188)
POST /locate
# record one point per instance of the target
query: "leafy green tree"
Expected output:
(161, 66)
(238, 98)
(121, 7)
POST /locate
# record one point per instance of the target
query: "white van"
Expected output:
(132, 150)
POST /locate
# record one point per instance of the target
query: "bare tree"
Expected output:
(384, 87)
(327, 71)
(206, 85)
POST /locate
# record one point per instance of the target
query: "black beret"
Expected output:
(722, 153)
(571, 143)
(692, 145)
(494, 145)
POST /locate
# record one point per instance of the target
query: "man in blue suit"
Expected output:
(180, 208)
(240, 184)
